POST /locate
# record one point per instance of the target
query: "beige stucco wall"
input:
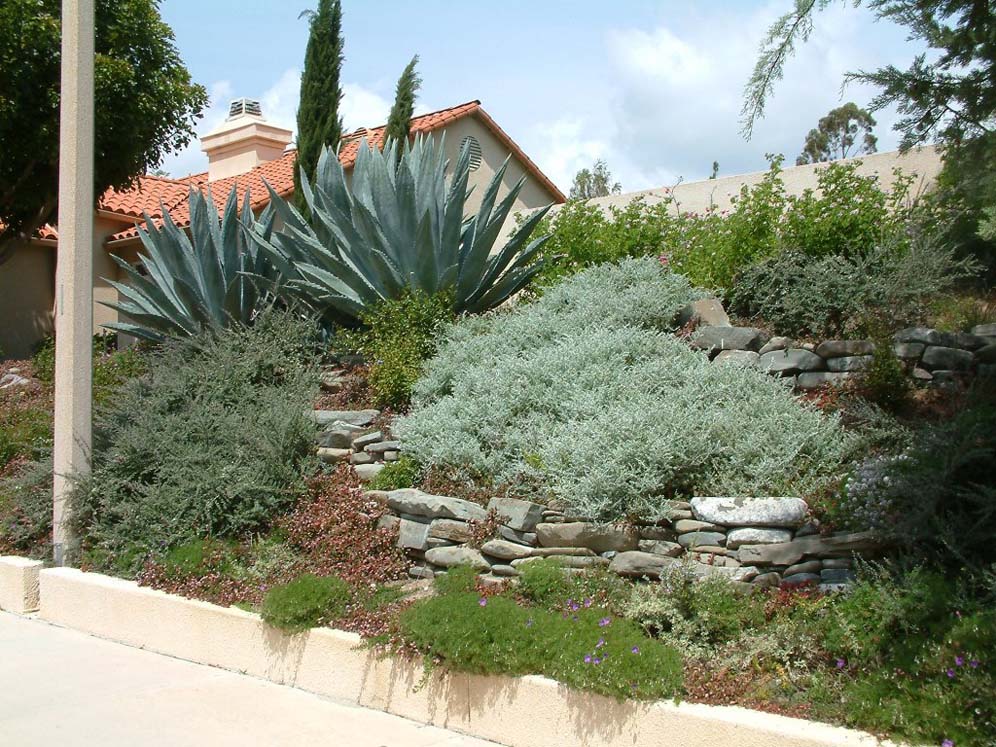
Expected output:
(493, 153)
(27, 297)
(697, 197)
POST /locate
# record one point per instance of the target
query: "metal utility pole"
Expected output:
(74, 264)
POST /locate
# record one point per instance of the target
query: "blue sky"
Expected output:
(654, 88)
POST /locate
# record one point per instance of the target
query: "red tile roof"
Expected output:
(152, 191)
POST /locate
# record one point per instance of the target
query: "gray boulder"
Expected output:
(715, 339)
(844, 348)
(447, 557)
(756, 536)
(412, 501)
(694, 539)
(382, 447)
(798, 579)
(791, 360)
(505, 550)
(948, 359)
(513, 535)
(810, 566)
(849, 363)
(635, 564)
(984, 330)
(363, 440)
(790, 553)
(333, 456)
(705, 311)
(751, 512)
(522, 516)
(565, 561)
(450, 529)
(816, 379)
(598, 537)
(908, 351)
(961, 340)
(776, 343)
(661, 547)
(367, 472)
(683, 526)
(352, 417)
(413, 535)
(986, 354)
(336, 438)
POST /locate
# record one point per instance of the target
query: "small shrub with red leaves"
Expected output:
(335, 527)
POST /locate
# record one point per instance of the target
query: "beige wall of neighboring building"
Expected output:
(697, 197)
(27, 298)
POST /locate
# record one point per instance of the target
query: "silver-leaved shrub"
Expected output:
(588, 392)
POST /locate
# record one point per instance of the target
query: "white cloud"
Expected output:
(562, 149)
(362, 107)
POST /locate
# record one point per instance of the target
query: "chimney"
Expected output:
(243, 141)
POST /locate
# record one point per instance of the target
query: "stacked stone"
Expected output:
(930, 356)
(764, 541)
(349, 436)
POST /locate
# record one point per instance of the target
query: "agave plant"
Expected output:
(399, 225)
(213, 278)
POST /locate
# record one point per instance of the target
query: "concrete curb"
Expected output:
(520, 712)
(19, 584)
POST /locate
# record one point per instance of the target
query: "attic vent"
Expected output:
(245, 106)
(470, 142)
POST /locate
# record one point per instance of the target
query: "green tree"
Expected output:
(594, 182)
(404, 105)
(319, 123)
(950, 96)
(837, 133)
(146, 104)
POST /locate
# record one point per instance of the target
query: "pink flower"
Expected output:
(604, 621)
(483, 602)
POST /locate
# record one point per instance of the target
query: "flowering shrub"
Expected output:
(581, 645)
(582, 393)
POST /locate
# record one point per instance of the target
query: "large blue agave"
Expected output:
(211, 279)
(399, 225)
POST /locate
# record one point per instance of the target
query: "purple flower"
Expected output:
(974, 663)
(841, 663)
(587, 659)
(601, 642)
(951, 674)
(604, 621)
(959, 661)
(587, 603)
(947, 743)
(635, 649)
(596, 661)
(483, 602)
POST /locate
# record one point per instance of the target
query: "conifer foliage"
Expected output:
(319, 123)
(404, 104)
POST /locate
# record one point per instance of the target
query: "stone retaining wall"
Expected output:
(931, 357)
(761, 541)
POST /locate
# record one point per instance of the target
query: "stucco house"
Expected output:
(243, 151)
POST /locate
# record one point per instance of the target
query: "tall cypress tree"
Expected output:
(318, 121)
(404, 105)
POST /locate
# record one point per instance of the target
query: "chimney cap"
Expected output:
(245, 107)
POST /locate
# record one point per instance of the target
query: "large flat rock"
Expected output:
(522, 516)
(790, 553)
(417, 503)
(714, 339)
(635, 564)
(598, 537)
(750, 512)
(757, 536)
(350, 417)
(791, 360)
(448, 557)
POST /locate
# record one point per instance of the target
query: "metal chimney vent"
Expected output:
(245, 106)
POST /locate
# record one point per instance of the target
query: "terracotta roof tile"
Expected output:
(153, 191)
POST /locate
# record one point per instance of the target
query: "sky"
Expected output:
(653, 87)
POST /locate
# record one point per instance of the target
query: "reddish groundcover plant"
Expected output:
(336, 527)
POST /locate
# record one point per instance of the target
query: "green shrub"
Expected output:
(304, 603)
(403, 473)
(402, 336)
(916, 656)
(25, 428)
(583, 647)
(847, 215)
(214, 441)
(885, 381)
(619, 413)
(26, 510)
(195, 557)
(936, 499)
(695, 616)
(543, 581)
(835, 295)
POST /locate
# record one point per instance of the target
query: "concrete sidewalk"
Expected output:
(66, 688)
